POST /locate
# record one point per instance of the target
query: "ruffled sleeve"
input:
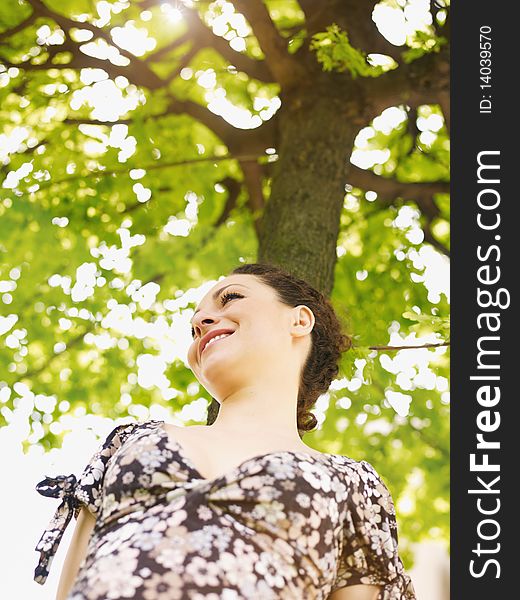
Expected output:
(369, 552)
(75, 493)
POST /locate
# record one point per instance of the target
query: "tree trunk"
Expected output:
(300, 224)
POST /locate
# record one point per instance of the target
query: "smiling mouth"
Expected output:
(215, 340)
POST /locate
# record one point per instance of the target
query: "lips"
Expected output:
(210, 335)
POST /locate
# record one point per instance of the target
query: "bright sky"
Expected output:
(24, 512)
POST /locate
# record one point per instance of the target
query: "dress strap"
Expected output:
(61, 486)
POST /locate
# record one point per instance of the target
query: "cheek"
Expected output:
(266, 335)
(192, 355)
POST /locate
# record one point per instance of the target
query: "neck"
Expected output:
(260, 410)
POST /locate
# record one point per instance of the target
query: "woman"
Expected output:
(240, 507)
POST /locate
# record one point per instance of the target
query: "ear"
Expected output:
(302, 320)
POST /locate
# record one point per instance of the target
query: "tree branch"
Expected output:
(309, 8)
(204, 37)
(389, 189)
(67, 24)
(22, 25)
(422, 193)
(151, 167)
(412, 129)
(158, 54)
(419, 82)
(217, 124)
(428, 237)
(355, 18)
(407, 347)
(363, 32)
(183, 62)
(233, 187)
(139, 72)
(285, 68)
(78, 62)
(253, 177)
(238, 141)
(444, 102)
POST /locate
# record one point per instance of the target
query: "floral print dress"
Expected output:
(282, 525)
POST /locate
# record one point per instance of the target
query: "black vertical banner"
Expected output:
(485, 260)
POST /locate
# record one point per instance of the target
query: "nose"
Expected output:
(200, 320)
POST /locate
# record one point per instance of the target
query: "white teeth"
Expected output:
(217, 337)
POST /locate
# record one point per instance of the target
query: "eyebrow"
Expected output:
(216, 294)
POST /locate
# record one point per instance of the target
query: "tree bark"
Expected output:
(300, 224)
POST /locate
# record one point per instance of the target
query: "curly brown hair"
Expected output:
(328, 341)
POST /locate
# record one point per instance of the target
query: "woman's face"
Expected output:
(256, 335)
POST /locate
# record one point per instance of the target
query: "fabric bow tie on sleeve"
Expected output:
(61, 486)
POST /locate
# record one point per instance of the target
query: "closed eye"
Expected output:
(224, 299)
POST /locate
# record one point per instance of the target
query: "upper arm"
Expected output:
(76, 552)
(357, 592)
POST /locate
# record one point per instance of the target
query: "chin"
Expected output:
(220, 377)
(213, 375)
